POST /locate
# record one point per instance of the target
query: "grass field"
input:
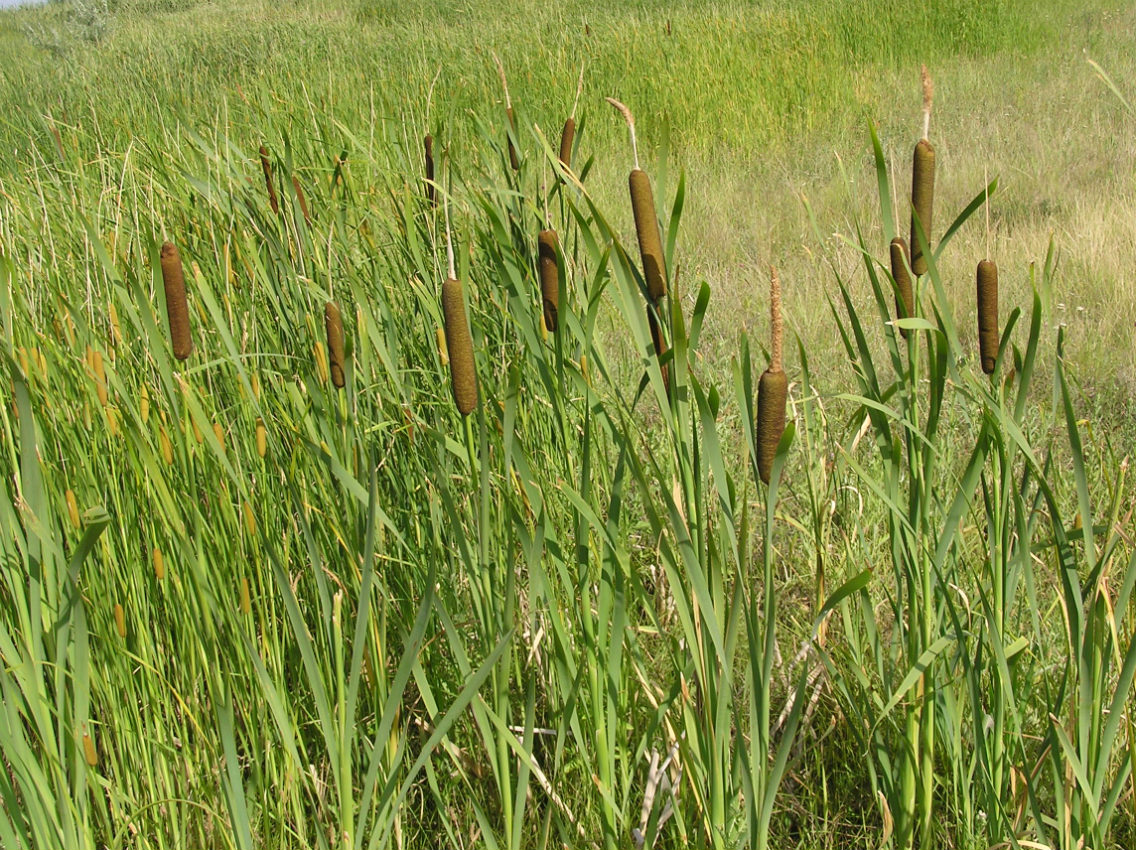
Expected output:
(271, 594)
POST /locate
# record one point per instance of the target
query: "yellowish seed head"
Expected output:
(119, 620)
(89, 753)
(144, 404)
(166, 446)
(159, 564)
(250, 519)
(72, 508)
(261, 438)
(246, 598)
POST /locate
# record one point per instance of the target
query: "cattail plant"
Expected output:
(166, 446)
(302, 200)
(431, 189)
(772, 388)
(95, 359)
(266, 167)
(261, 438)
(159, 564)
(905, 295)
(459, 341)
(514, 161)
(177, 310)
(120, 619)
(72, 508)
(988, 314)
(333, 324)
(549, 244)
(646, 224)
(923, 182)
(246, 597)
(89, 754)
(568, 135)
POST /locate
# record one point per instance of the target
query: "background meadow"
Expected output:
(243, 606)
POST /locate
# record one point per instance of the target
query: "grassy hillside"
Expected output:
(271, 594)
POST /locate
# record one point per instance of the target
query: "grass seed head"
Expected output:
(905, 298)
(647, 231)
(333, 325)
(988, 315)
(177, 310)
(549, 277)
(459, 345)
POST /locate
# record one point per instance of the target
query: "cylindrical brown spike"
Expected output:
(566, 138)
(302, 200)
(459, 345)
(922, 200)
(660, 346)
(333, 324)
(176, 307)
(905, 298)
(431, 194)
(513, 161)
(772, 393)
(988, 315)
(647, 230)
(266, 166)
(549, 277)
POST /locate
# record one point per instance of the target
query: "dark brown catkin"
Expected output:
(176, 308)
(513, 160)
(772, 390)
(333, 325)
(567, 136)
(303, 201)
(988, 315)
(266, 167)
(549, 277)
(431, 193)
(647, 230)
(459, 345)
(922, 201)
(905, 297)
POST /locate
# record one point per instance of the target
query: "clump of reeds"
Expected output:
(923, 182)
(177, 309)
(431, 189)
(568, 134)
(266, 167)
(459, 340)
(514, 161)
(333, 325)
(548, 246)
(900, 265)
(772, 388)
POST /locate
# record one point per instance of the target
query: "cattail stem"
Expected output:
(630, 119)
(776, 327)
(928, 97)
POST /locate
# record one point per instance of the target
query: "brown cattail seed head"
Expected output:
(176, 307)
(119, 620)
(513, 160)
(431, 189)
(266, 167)
(89, 753)
(459, 345)
(303, 201)
(333, 324)
(922, 201)
(988, 315)
(549, 277)
(647, 229)
(567, 136)
(905, 295)
(219, 433)
(144, 405)
(772, 389)
(261, 438)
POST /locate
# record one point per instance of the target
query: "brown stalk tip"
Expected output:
(647, 231)
(567, 136)
(431, 193)
(988, 315)
(459, 346)
(303, 201)
(333, 325)
(514, 161)
(922, 201)
(905, 296)
(266, 167)
(177, 310)
(548, 245)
